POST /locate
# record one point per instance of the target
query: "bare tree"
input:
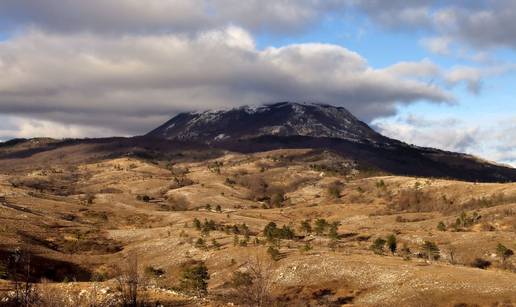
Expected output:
(129, 282)
(252, 285)
(19, 271)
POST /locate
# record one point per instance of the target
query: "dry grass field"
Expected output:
(342, 237)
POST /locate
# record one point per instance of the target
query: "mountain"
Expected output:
(323, 127)
(282, 119)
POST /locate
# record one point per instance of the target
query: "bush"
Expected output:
(129, 282)
(405, 252)
(272, 232)
(307, 247)
(274, 253)
(441, 226)
(253, 286)
(241, 279)
(333, 233)
(194, 279)
(334, 189)
(89, 198)
(201, 244)
(503, 252)
(481, 263)
(306, 227)
(178, 203)
(215, 244)
(197, 224)
(430, 250)
(378, 245)
(320, 226)
(392, 243)
(154, 272)
(277, 200)
(144, 198)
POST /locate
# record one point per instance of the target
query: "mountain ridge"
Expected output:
(270, 127)
(322, 126)
(280, 119)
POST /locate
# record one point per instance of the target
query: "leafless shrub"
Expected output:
(256, 184)
(176, 203)
(252, 285)
(179, 182)
(335, 188)
(19, 270)
(129, 283)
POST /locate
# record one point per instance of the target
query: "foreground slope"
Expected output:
(82, 221)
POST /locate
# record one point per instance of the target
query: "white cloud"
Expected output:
(130, 83)
(438, 45)
(20, 127)
(470, 75)
(493, 141)
(423, 69)
(447, 134)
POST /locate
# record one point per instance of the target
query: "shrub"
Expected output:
(430, 250)
(197, 224)
(178, 203)
(241, 279)
(481, 263)
(154, 272)
(89, 198)
(129, 282)
(380, 184)
(144, 198)
(230, 181)
(201, 244)
(441, 226)
(272, 232)
(277, 200)
(503, 252)
(307, 247)
(194, 279)
(286, 232)
(334, 189)
(392, 243)
(253, 286)
(215, 244)
(464, 220)
(333, 233)
(306, 227)
(405, 252)
(378, 245)
(274, 253)
(320, 226)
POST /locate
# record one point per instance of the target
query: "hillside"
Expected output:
(85, 221)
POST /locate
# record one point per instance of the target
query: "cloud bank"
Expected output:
(133, 82)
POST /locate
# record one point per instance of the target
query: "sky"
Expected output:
(430, 73)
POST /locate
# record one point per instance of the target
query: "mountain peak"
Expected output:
(276, 119)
